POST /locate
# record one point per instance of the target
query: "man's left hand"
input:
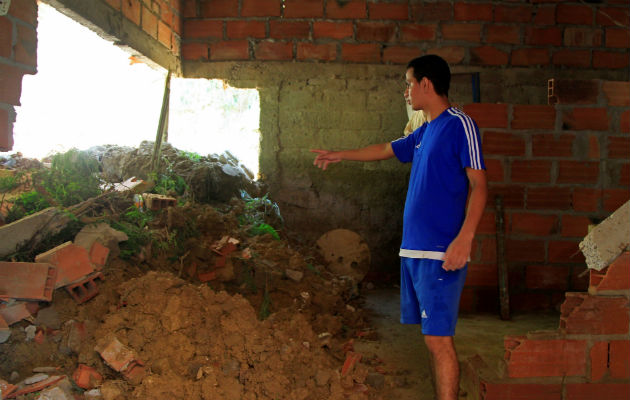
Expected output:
(457, 254)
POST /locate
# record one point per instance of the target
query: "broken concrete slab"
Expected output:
(102, 233)
(32, 228)
(135, 185)
(608, 240)
(72, 262)
(27, 281)
(17, 311)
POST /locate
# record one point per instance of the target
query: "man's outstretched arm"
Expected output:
(458, 251)
(374, 152)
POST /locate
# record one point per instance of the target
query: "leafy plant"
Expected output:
(8, 183)
(168, 183)
(262, 228)
(133, 223)
(26, 204)
(196, 157)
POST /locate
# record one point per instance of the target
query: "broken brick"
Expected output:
(36, 387)
(156, 202)
(612, 278)
(87, 377)
(620, 359)
(351, 359)
(99, 254)
(595, 315)
(27, 281)
(122, 359)
(84, 289)
(546, 357)
(6, 388)
(72, 262)
(17, 311)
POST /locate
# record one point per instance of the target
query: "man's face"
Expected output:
(412, 91)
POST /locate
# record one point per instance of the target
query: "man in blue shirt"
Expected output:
(438, 229)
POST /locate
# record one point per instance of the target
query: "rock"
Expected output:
(35, 378)
(30, 332)
(346, 253)
(102, 233)
(294, 275)
(54, 393)
(48, 317)
(14, 376)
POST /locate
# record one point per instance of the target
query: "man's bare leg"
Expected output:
(446, 366)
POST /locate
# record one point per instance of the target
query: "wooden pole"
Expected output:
(162, 126)
(504, 296)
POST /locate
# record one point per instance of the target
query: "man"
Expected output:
(438, 230)
(416, 117)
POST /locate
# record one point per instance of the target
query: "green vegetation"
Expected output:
(8, 183)
(134, 223)
(260, 213)
(26, 204)
(262, 229)
(192, 155)
(168, 183)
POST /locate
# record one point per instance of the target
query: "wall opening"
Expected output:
(89, 92)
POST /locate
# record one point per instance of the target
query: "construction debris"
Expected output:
(608, 240)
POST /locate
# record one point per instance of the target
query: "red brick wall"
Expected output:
(18, 56)
(558, 168)
(492, 33)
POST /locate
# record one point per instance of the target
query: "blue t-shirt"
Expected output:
(438, 186)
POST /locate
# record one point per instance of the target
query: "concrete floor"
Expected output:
(405, 356)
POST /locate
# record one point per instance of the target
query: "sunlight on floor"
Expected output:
(87, 93)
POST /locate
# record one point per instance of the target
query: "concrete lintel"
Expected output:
(607, 240)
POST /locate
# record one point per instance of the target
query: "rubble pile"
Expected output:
(197, 301)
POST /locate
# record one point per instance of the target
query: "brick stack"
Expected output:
(588, 357)
(558, 168)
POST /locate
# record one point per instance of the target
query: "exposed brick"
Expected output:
(525, 57)
(400, 54)
(502, 34)
(613, 277)
(487, 224)
(552, 357)
(579, 278)
(473, 12)
(232, 50)
(612, 199)
(390, 11)
(482, 275)
(599, 360)
(72, 262)
(538, 171)
(6, 131)
(467, 300)
(564, 251)
(610, 60)
(575, 91)
(525, 250)
(624, 122)
(552, 145)
(550, 197)
(586, 199)
(26, 46)
(515, 14)
(219, 8)
(6, 33)
(521, 391)
(245, 29)
(617, 93)
(620, 359)
(261, 8)
(533, 224)
(463, 32)
(190, 9)
(618, 147)
(617, 38)
(533, 117)
(572, 58)
(590, 391)
(26, 11)
(611, 16)
(575, 226)
(201, 29)
(543, 36)
(10, 84)
(574, 14)
(624, 175)
(503, 143)
(596, 315)
(530, 301)
(165, 35)
(131, 10)
(195, 51)
(335, 30)
(434, 11)
(593, 147)
(570, 171)
(488, 55)
(586, 118)
(513, 195)
(547, 277)
(488, 250)
(376, 31)
(545, 15)
(488, 115)
(451, 54)
(289, 29)
(149, 22)
(349, 10)
(322, 52)
(494, 170)
(417, 32)
(303, 8)
(270, 50)
(582, 37)
(362, 53)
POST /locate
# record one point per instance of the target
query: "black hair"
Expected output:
(435, 69)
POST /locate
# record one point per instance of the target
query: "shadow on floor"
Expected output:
(405, 357)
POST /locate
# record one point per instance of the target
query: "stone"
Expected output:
(346, 252)
(48, 317)
(31, 229)
(294, 275)
(608, 240)
(35, 378)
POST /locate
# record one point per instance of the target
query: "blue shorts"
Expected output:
(429, 295)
